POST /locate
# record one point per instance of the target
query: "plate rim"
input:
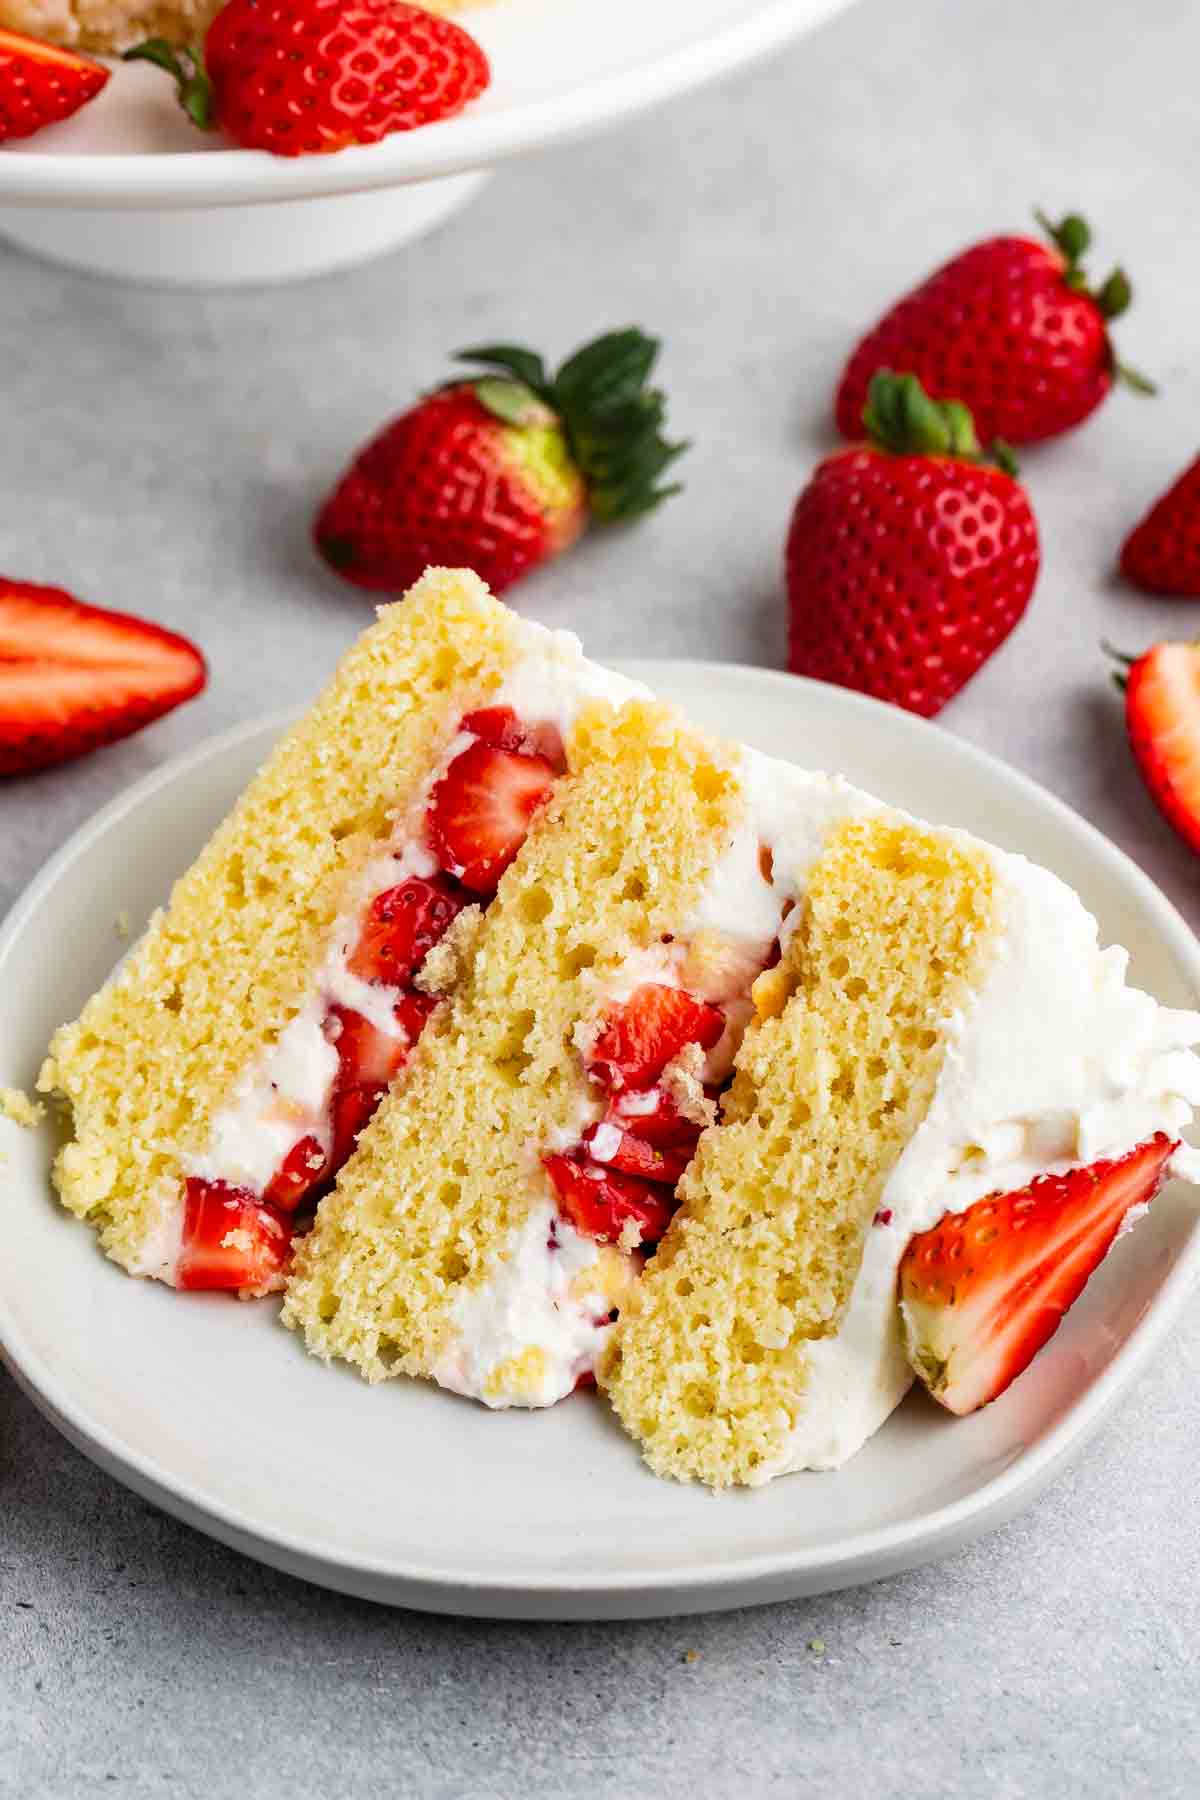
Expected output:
(454, 146)
(733, 1581)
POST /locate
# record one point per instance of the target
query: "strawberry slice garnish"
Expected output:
(983, 1290)
(599, 1202)
(299, 1172)
(640, 1037)
(402, 926)
(500, 727)
(41, 84)
(1162, 717)
(230, 1239)
(73, 677)
(481, 809)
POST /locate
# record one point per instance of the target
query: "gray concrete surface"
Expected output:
(164, 454)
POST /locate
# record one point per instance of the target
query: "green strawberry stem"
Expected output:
(186, 67)
(901, 417)
(1073, 236)
(612, 419)
(1120, 675)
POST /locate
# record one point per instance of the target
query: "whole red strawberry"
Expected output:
(1011, 329)
(504, 470)
(302, 77)
(40, 84)
(1162, 717)
(909, 558)
(73, 677)
(1162, 554)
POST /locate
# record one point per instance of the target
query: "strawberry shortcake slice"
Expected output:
(221, 1079)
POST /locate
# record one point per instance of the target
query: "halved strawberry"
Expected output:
(42, 83)
(1162, 716)
(73, 677)
(619, 1148)
(480, 812)
(983, 1290)
(640, 1037)
(230, 1239)
(402, 926)
(599, 1202)
(299, 1172)
(500, 727)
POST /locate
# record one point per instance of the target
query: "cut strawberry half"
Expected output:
(641, 1037)
(500, 727)
(1162, 716)
(615, 1148)
(599, 1202)
(230, 1239)
(42, 83)
(402, 926)
(73, 677)
(299, 1172)
(983, 1290)
(481, 809)
(367, 1060)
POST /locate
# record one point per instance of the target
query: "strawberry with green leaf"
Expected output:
(503, 470)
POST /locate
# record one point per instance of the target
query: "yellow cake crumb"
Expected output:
(16, 1105)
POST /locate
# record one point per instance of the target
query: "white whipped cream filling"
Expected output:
(526, 1334)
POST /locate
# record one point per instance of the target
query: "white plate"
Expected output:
(560, 68)
(407, 1494)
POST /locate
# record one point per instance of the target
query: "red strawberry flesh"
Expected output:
(1162, 715)
(230, 1239)
(500, 727)
(639, 1038)
(599, 1202)
(481, 810)
(984, 1289)
(1162, 553)
(41, 84)
(297, 1175)
(402, 926)
(73, 677)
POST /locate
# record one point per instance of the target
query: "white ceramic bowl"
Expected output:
(128, 188)
(410, 1495)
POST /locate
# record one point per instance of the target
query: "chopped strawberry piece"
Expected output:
(402, 926)
(298, 1173)
(481, 809)
(598, 1202)
(500, 727)
(641, 1037)
(984, 1289)
(353, 1108)
(662, 1124)
(625, 1151)
(366, 1055)
(411, 1011)
(230, 1239)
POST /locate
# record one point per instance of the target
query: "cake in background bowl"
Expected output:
(108, 27)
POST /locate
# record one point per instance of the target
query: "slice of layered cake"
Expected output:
(604, 1050)
(219, 1081)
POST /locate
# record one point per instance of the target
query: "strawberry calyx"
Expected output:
(902, 418)
(1072, 237)
(613, 420)
(186, 68)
